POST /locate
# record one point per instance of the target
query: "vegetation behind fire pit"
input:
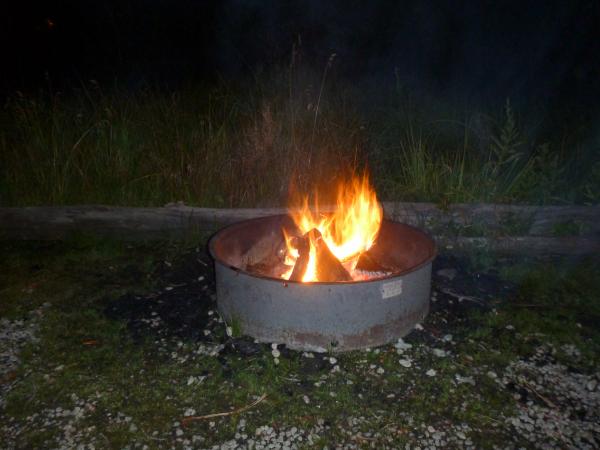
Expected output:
(241, 144)
(116, 344)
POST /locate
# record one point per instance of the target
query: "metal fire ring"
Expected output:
(319, 316)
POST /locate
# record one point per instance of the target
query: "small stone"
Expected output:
(169, 288)
(439, 352)
(229, 331)
(191, 380)
(401, 346)
(510, 327)
(462, 380)
(591, 385)
(189, 412)
(332, 360)
(380, 370)
(405, 363)
(179, 432)
(431, 373)
(276, 361)
(419, 327)
(492, 375)
(449, 273)
(306, 399)
(275, 353)
(447, 338)
(461, 435)
(274, 346)
(431, 429)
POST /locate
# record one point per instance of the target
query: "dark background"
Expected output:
(541, 55)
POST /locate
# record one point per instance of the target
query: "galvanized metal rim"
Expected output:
(216, 235)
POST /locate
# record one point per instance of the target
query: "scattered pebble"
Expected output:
(439, 352)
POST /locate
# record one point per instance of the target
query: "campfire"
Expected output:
(324, 276)
(325, 244)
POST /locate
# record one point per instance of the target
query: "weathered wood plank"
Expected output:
(535, 227)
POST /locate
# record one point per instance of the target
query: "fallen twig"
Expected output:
(189, 419)
(460, 297)
(547, 401)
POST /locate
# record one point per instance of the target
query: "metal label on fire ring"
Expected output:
(391, 289)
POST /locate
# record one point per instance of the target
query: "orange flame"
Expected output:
(348, 231)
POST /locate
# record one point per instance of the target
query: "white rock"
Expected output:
(438, 352)
(229, 331)
(405, 363)
(332, 360)
(274, 346)
(276, 361)
(447, 273)
(380, 370)
(306, 399)
(275, 353)
(461, 380)
(419, 327)
(431, 373)
(401, 346)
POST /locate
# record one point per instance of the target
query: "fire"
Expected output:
(348, 231)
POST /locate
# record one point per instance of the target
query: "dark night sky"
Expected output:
(481, 51)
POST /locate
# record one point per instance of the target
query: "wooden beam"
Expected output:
(537, 229)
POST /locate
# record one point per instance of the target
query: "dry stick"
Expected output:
(312, 138)
(188, 419)
(547, 401)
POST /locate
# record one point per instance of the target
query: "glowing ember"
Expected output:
(347, 232)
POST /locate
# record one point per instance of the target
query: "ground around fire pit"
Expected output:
(116, 345)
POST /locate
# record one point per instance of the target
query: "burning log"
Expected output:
(329, 268)
(303, 246)
(367, 263)
(265, 256)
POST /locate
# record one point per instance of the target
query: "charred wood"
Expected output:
(302, 245)
(329, 268)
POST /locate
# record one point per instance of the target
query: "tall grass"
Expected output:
(242, 145)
